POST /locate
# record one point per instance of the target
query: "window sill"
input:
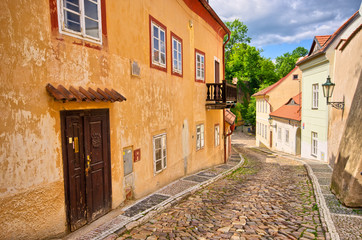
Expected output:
(197, 150)
(177, 74)
(199, 80)
(158, 67)
(80, 37)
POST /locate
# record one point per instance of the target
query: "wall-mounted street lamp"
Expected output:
(328, 88)
(270, 120)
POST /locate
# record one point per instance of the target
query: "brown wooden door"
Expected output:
(217, 72)
(87, 165)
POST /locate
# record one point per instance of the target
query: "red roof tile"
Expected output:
(289, 110)
(322, 39)
(73, 95)
(271, 87)
(229, 117)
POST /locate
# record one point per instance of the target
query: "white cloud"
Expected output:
(286, 21)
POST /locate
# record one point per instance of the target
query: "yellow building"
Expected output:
(270, 99)
(101, 101)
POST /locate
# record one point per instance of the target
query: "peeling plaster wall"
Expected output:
(32, 54)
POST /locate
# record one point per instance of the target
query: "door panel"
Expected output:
(217, 72)
(74, 146)
(98, 178)
(88, 165)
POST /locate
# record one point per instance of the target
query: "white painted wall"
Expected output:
(283, 144)
(262, 136)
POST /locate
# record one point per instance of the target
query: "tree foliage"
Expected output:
(252, 70)
(286, 62)
(238, 35)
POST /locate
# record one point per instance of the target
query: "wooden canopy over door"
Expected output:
(87, 168)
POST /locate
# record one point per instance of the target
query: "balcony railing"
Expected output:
(220, 95)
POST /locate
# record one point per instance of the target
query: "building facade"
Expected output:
(316, 67)
(286, 126)
(270, 99)
(102, 101)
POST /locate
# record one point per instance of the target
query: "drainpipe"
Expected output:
(223, 112)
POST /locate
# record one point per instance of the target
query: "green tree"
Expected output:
(286, 62)
(238, 35)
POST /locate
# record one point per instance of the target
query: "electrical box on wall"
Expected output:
(137, 155)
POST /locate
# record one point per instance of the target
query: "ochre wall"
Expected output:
(32, 53)
(344, 134)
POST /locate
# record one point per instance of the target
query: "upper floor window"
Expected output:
(200, 66)
(159, 152)
(315, 88)
(81, 18)
(176, 54)
(200, 134)
(295, 77)
(158, 44)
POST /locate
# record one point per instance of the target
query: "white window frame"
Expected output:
(286, 135)
(315, 96)
(200, 136)
(160, 42)
(163, 149)
(82, 34)
(200, 66)
(314, 145)
(217, 135)
(176, 68)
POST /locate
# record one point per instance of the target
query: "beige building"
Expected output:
(101, 101)
(345, 135)
(317, 67)
(270, 99)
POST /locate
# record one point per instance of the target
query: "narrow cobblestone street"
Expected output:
(268, 198)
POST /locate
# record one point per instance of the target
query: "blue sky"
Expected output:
(280, 26)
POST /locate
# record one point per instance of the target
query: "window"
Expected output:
(315, 96)
(279, 134)
(176, 55)
(199, 136)
(159, 152)
(200, 66)
(295, 77)
(158, 44)
(265, 131)
(81, 18)
(314, 143)
(286, 135)
(217, 135)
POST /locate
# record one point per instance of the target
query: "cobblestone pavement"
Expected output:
(268, 198)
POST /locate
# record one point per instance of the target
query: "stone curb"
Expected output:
(149, 213)
(326, 219)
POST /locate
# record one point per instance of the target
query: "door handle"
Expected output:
(88, 165)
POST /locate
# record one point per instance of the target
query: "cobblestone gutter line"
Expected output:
(326, 218)
(144, 216)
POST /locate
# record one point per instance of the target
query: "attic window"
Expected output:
(295, 77)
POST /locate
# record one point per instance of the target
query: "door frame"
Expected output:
(82, 113)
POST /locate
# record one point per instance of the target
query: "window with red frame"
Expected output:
(200, 66)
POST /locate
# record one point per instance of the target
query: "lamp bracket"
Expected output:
(337, 105)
